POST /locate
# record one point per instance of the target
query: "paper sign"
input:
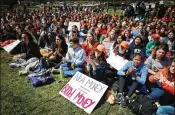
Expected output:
(160, 2)
(73, 23)
(11, 46)
(116, 62)
(83, 91)
(153, 5)
(109, 47)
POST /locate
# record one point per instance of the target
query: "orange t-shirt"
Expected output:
(88, 48)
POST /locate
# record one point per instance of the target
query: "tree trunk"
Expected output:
(107, 5)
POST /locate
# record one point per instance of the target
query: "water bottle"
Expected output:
(61, 72)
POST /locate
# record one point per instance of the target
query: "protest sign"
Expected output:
(160, 2)
(153, 5)
(11, 46)
(116, 62)
(73, 23)
(83, 91)
(109, 47)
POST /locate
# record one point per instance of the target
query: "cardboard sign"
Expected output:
(116, 62)
(73, 23)
(160, 2)
(11, 46)
(153, 5)
(83, 91)
(109, 47)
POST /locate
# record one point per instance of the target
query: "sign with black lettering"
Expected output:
(83, 91)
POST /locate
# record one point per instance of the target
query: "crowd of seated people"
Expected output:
(148, 44)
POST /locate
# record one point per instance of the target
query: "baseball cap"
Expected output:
(155, 36)
(125, 44)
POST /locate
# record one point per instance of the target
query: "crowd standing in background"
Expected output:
(144, 38)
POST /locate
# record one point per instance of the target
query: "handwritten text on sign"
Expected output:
(83, 91)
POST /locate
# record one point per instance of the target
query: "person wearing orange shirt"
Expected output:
(165, 79)
(90, 44)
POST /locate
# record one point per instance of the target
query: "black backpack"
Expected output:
(142, 105)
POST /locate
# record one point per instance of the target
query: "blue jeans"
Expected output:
(68, 71)
(165, 110)
(156, 93)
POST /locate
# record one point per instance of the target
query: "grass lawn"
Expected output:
(19, 97)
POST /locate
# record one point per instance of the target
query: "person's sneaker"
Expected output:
(125, 101)
(55, 71)
(119, 97)
(13, 65)
(23, 72)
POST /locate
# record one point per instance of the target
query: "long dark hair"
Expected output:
(62, 43)
(141, 41)
(28, 35)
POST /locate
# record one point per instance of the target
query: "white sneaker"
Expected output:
(157, 103)
(23, 72)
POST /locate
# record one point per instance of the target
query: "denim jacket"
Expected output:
(141, 72)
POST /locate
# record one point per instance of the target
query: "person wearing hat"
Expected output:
(122, 49)
(151, 45)
(96, 63)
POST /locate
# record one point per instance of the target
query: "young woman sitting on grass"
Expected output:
(29, 52)
(75, 60)
(158, 59)
(61, 49)
(90, 44)
(134, 74)
(163, 85)
(96, 63)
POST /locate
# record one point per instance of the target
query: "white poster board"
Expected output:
(83, 91)
(116, 62)
(109, 47)
(11, 46)
(73, 23)
(153, 5)
(160, 2)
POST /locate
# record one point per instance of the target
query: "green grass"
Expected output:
(19, 97)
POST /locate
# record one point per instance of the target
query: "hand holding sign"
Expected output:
(80, 90)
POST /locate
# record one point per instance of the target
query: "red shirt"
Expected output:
(89, 49)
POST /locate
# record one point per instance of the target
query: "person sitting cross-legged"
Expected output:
(75, 60)
(134, 73)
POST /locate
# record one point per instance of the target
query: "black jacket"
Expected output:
(31, 50)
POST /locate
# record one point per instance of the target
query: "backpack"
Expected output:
(142, 105)
(40, 80)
